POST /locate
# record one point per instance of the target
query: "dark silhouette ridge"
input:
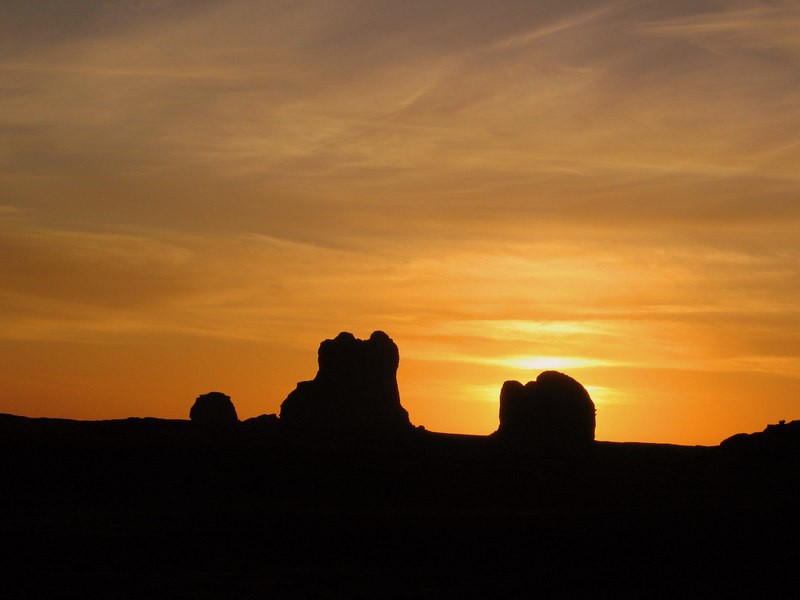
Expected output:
(553, 411)
(778, 439)
(147, 507)
(261, 423)
(214, 410)
(354, 392)
(160, 508)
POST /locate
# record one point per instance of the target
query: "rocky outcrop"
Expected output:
(778, 439)
(354, 391)
(554, 410)
(214, 410)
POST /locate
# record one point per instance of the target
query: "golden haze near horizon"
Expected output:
(194, 194)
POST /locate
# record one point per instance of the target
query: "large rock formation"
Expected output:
(355, 390)
(554, 410)
(214, 410)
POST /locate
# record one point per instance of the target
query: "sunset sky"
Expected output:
(194, 194)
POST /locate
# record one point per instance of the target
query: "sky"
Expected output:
(194, 194)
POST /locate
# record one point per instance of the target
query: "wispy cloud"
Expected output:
(559, 26)
(754, 25)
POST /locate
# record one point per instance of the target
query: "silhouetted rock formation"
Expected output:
(554, 410)
(355, 390)
(781, 438)
(214, 410)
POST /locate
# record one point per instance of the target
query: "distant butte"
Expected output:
(554, 410)
(354, 392)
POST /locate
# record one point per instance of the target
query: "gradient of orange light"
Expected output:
(661, 380)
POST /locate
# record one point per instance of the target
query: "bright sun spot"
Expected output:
(546, 363)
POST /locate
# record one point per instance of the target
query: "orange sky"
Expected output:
(194, 194)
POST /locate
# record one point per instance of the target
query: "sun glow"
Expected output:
(551, 363)
(602, 395)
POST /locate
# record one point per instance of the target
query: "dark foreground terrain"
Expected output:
(154, 508)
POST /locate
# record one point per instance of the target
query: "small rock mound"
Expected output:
(354, 391)
(554, 410)
(214, 410)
